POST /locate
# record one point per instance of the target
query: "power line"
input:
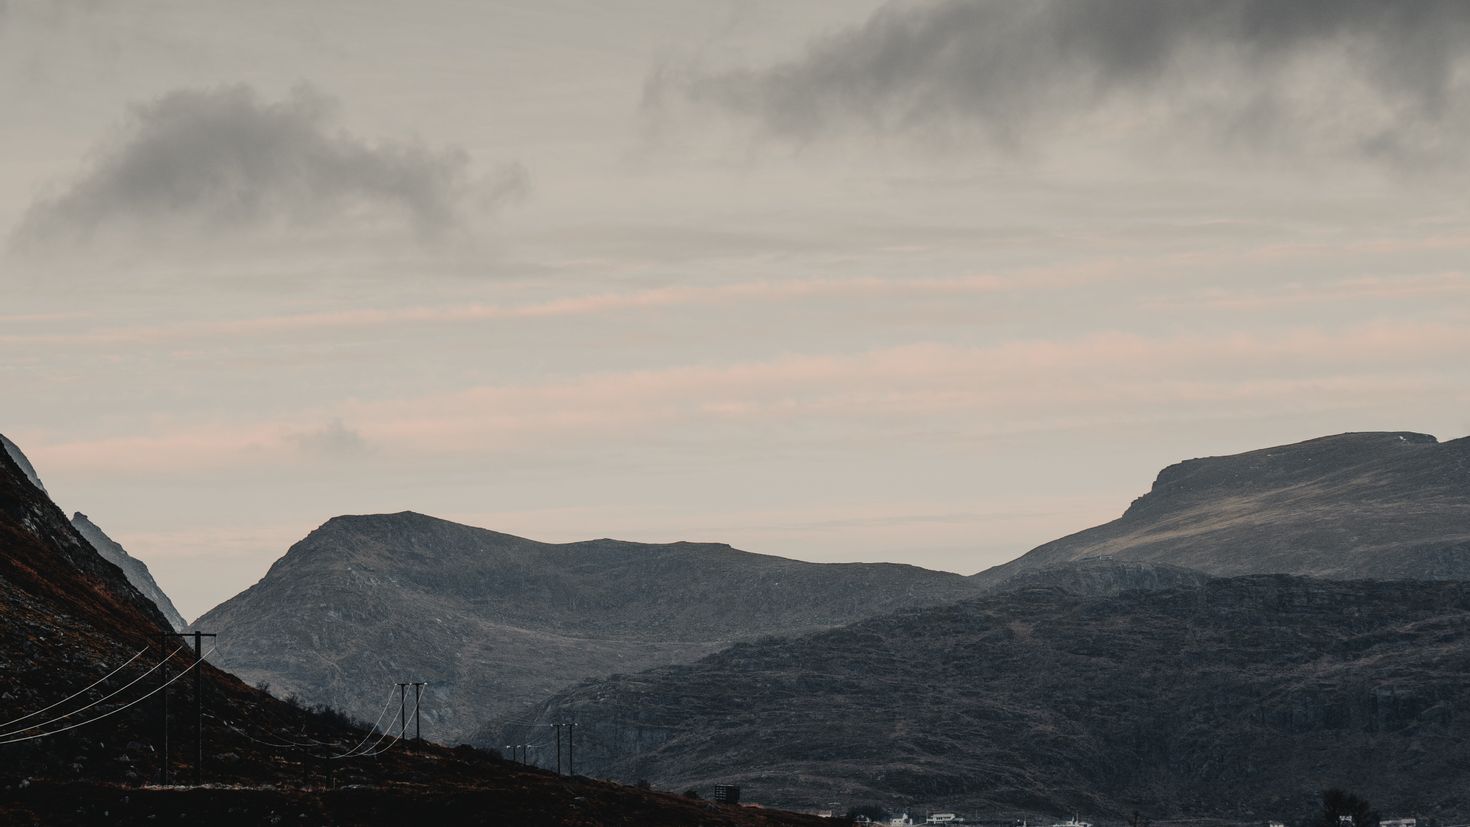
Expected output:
(75, 694)
(396, 740)
(100, 700)
(376, 723)
(388, 730)
(109, 713)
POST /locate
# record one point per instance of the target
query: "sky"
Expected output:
(926, 282)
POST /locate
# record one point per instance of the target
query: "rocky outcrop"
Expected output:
(134, 569)
(1368, 505)
(494, 622)
(1236, 698)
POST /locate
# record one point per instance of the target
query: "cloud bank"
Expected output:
(224, 161)
(1379, 79)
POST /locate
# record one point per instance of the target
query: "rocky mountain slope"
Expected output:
(71, 618)
(1236, 698)
(132, 568)
(494, 622)
(1366, 505)
(19, 458)
(136, 572)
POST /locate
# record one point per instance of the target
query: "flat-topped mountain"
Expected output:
(495, 622)
(1237, 698)
(1365, 505)
(134, 569)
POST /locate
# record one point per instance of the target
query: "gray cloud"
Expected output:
(224, 161)
(1242, 70)
(333, 441)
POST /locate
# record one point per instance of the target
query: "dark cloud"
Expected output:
(1245, 70)
(224, 161)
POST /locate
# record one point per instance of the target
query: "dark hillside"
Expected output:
(1238, 698)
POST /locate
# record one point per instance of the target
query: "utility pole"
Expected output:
(571, 762)
(558, 727)
(418, 688)
(402, 710)
(163, 711)
(198, 702)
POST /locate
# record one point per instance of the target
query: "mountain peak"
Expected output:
(135, 570)
(20, 459)
(1386, 505)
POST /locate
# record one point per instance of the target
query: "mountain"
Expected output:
(495, 622)
(1364, 505)
(28, 470)
(137, 573)
(133, 568)
(1236, 698)
(78, 645)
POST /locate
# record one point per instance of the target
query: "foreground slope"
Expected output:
(1366, 505)
(1238, 698)
(494, 621)
(70, 618)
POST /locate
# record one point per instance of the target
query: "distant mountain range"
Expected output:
(1368, 505)
(1238, 698)
(495, 622)
(71, 623)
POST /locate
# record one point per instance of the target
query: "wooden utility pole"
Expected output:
(418, 689)
(571, 752)
(163, 711)
(402, 710)
(198, 668)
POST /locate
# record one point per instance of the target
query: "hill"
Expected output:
(1367, 505)
(1237, 698)
(494, 621)
(77, 649)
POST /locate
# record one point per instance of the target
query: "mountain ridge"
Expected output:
(495, 620)
(134, 569)
(1388, 505)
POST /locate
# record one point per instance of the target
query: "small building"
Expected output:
(726, 794)
(1399, 822)
(943, 818)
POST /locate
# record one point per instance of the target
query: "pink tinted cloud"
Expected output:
(1012, 385)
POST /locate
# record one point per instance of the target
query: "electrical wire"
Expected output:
(262, 742)
(82, 692)
(386, 732)
(111, 694)
(395, 740)
(131, 703)
(370, 731)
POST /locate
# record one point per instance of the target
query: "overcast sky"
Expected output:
(932, 282)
